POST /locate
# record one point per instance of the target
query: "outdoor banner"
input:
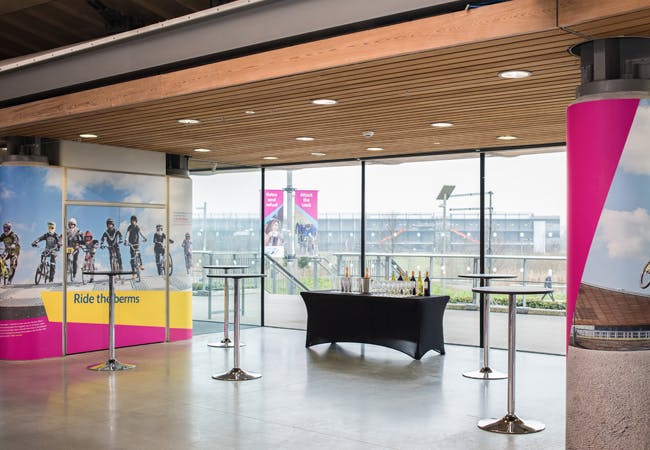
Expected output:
(31, 262)
(273, 219)
(306, 223)
(608, 271)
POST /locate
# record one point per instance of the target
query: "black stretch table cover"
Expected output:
(412, 325)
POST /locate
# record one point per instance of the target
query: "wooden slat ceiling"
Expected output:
(397, 98)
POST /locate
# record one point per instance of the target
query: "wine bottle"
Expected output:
(413, 291)
(400, 278)
(367, 273)
(392, 276)
(347, 272)
(420, 285)
(427, 285)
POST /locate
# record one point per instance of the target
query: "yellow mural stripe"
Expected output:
(144, 308)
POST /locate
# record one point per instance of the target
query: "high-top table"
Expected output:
(225, 342)
(510, 423)
(236, 373)
(112, 364)
(486, 372)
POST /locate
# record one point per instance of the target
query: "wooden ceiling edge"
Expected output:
(497, 21)
(576, 12)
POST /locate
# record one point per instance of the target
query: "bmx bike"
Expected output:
(89, 265)
(71, 254)
(136, 260)
(45, 269)
(645, 276)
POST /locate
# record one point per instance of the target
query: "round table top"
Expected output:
(512, 290)
(236, 275)
(226, 266)
(487, 276)
(108, 272)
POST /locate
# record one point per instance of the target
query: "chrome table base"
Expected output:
(111, 365)
(486, 373)
(237, 374)
(511, 424)
(225, 343)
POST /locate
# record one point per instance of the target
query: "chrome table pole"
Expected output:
(225, 342)
(112, 364)
(510, 423)
(237, 373)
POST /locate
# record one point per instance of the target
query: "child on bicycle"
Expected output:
(187, 251)
(113, 239)
(52, 245)
(89, 247)
(11, 251)
(159, 248)
(74, 240)
(133, 235)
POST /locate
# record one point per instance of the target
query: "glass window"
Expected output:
(312, 235)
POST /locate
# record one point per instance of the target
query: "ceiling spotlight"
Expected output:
(507, 138)
(270, 157)
(188, 121)
(88, 136)
(368, 134)
(442, 124)
(250, 112)
(515, 74)
(318, 154)
(436, 143)
(202, 150)
(324, 101)
(305, 138)
(374, 149)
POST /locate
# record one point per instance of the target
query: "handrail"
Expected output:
(285, 272)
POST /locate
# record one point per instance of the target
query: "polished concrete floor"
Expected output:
(346, 396)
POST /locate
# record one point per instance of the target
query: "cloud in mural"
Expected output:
(635, 157)
(88, 185)
(5, 193)
(625, 233)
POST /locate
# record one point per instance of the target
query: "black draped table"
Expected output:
(412, 325)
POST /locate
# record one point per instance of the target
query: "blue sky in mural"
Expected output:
(115, 187)
(621, 246)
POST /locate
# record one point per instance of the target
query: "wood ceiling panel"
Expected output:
(396, 97)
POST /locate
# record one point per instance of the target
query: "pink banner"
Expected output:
(273, 202)
(31, 338)
(307, 201)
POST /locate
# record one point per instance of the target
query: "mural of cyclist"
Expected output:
(187, 252)
(52, 243)
(133, 235)
(113, 239)
(74, 239)
(159, 248)
(12, 249)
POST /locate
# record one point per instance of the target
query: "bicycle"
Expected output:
(8, 261)
(71, 253)
(44, 269)
(645, 276)
(164, 261)
(136, 260)
(89, 265)
(112, 258)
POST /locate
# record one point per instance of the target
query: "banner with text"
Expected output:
(273, 219)
(306, 222)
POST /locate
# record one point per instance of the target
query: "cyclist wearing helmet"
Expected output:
(89, 243)
(133, 235)
(187, 251)
(52, 244)
(12, 248)
(74, 240)
(159, 248)
(113, 239)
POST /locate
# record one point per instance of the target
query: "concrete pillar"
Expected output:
(608, 312)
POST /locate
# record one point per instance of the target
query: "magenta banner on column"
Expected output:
(608, 302)
(273, 219)
(306, 222)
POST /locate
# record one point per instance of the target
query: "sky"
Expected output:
(523, 184)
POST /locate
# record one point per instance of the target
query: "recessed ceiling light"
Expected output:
(88, 136)
(188, 121)
(318, 154)
(442, 124)
(270, 157)
(202, 150)
(250, 112)
(305, 138)
(507, 137)
(515, 74)
(374, 149)
(436, 143)
(324, 101)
